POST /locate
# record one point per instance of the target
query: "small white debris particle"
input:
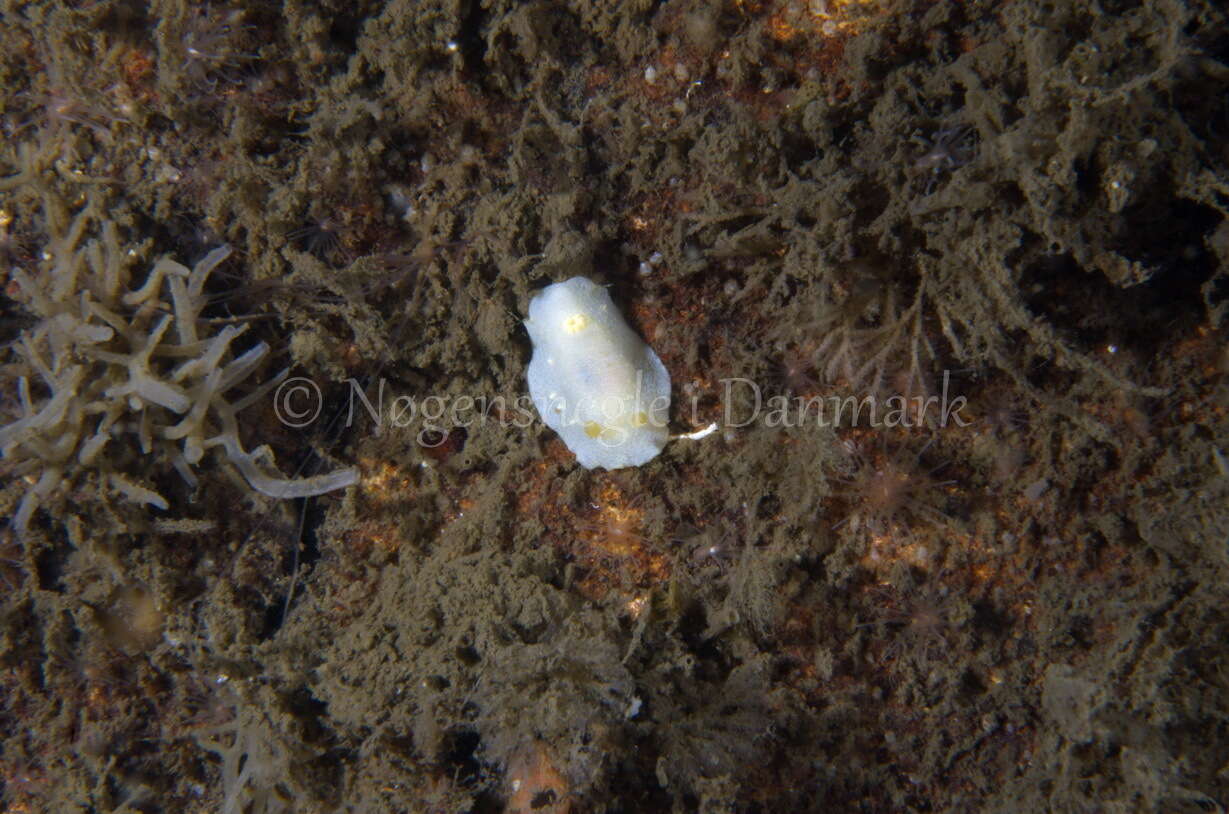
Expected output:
(1034, 491)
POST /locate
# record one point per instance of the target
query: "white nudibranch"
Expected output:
(593, 380)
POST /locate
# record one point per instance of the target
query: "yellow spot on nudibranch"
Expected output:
(575, 323)
(593, 429)
(640, 419)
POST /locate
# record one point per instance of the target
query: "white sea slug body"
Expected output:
(594, 381)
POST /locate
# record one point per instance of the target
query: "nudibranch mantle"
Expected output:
(593, 380)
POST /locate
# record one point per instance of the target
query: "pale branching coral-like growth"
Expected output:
(255, 764)
(871, 336)
(110, 369)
